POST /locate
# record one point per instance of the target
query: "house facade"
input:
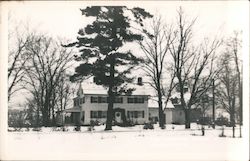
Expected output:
(91, 104)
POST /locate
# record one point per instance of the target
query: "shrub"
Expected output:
(148, 126)
(77, 128)
(90, 128)
(129, 123)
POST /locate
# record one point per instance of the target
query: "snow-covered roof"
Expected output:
(92, 88)
(153, 103)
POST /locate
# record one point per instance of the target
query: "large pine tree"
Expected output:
(99, 44)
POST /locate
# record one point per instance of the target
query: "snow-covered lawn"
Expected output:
(130, 143)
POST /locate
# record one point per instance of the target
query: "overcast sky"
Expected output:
(64, 19)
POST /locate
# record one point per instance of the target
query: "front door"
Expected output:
(118, 117)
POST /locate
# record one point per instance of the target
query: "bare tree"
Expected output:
(234, 46)
(44, 71)
(155, 48)
(16, 60)
(227, 91)
(204, 105)
(64, 91)
(32, 112)
(193, 65)
(230, 81)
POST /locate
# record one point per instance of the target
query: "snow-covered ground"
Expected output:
(130, 143)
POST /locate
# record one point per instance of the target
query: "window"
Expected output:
(135, 99)
(139, 81)
(99, 99)
(130, 100)
(135, 114)
(118, 100)
(104, 114)
(140, 114)
(93, 99)
(140, 100)
(102, 100)
(105, 100)
(98, 114)
(93, 114)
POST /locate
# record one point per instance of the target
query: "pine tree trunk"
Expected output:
(111, 97)
(110, 110)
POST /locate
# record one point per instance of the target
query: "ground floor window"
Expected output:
(98, 114)
(135, 114)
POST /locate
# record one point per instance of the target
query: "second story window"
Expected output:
(94, 99)
(130, 100)
(99, 99)
(102, 100)
(118, 100)
(135, 100)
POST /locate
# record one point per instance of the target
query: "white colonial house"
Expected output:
(91, 104)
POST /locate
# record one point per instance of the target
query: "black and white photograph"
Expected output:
(124, 80)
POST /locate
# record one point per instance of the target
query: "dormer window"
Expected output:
(139, 81)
